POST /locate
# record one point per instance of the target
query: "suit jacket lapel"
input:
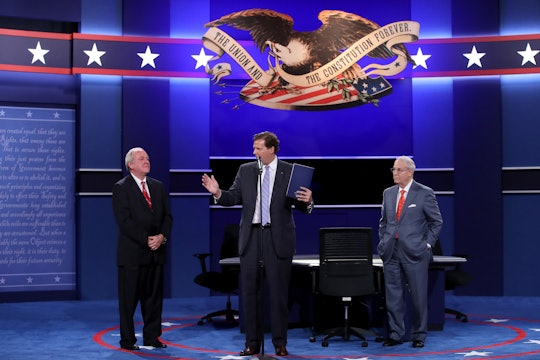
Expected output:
(394, 199)
(410, 198)
(280, 180)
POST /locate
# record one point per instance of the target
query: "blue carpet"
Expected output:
(498, 328)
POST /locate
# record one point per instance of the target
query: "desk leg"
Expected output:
(436, 303)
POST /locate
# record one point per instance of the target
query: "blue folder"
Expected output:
(301, 175)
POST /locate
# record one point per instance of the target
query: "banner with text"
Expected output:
(37, 199)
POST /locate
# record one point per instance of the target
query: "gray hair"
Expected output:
(408, 162)
(129, 156)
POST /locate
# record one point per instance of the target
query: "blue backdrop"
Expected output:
(473, 137)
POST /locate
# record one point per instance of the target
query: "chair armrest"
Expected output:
(202, 260)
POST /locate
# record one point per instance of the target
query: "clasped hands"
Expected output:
(155, 241)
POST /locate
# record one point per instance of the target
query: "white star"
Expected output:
(146, 347)
(474, 353)
(28, 114)
(168, 323)
(202, 59)
(532, 342)
(57, 279)
(474, 57)
(497, 320)
(56, 115)
(94, 55)
(39, 53)
(420, 59)
(148, 58)
(29, 280)
(2, 113)
(528, 55)
(2, 281)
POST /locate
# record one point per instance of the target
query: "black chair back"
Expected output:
(346, 261)
(224, 281)
(229, 246)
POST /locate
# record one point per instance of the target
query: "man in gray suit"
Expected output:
(277, 237)
(408, 229)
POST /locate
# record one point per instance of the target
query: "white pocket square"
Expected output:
(412, 205)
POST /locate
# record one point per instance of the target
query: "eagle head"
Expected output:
(296, 56)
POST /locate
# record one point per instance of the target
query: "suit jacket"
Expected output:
(244, 192)
(136, 221)
(419, 224)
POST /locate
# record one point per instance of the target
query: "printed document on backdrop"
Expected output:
(301, 175)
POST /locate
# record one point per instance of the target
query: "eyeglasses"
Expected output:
(399, 171)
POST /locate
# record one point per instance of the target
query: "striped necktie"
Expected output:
(145, 194)
(265, 215)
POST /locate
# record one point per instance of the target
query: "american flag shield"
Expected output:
(337, 93)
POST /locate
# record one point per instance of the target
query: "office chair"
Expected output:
(453, 278)
(225, 281)
(346, 271)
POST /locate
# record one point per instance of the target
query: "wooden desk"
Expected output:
(302, 296)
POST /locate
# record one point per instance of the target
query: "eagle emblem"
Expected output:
(312, 70)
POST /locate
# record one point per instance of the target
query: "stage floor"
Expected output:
(498, 327)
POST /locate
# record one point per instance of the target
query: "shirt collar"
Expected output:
(407, 187)
(273, 164)
(137, 180)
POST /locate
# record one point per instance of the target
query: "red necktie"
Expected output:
(145, 194)
(400, 204)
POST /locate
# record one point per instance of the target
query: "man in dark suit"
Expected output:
(141, 209)
(408, 230)
(277, 237)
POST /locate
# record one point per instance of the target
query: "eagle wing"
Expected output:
(341, 29)
(263, 25)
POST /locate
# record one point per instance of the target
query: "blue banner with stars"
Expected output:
(31, 51)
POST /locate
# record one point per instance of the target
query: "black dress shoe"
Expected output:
(249, 350)
(156, 344)
(130, 347)
(418, 343)
(281, 350)
(391, 342)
